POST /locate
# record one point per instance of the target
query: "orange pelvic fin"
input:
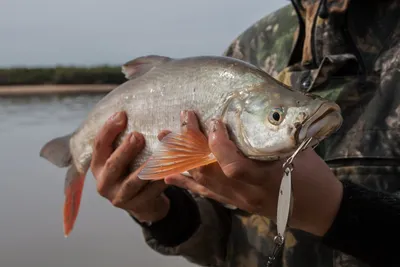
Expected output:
(177, 153)
(74, 182)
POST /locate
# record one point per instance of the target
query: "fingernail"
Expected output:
(184, 117)
(214, 125)
(117, 117)
(132, 138)
(136, 138)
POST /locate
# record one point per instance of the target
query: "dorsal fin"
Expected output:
(140, 65)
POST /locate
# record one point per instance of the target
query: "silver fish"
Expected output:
(266, 119)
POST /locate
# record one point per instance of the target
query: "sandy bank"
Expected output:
(25, 90)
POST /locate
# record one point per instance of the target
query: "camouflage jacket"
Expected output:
(344, 50)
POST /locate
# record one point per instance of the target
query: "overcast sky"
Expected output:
(87, 32)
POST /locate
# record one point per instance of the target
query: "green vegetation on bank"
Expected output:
(62, 75)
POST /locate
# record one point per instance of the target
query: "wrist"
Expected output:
(179, 224)
(163, 212)
(317, 195)
(158, 213)
(325, 215)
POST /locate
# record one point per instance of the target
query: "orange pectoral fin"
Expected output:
(177, 153)
(73, 193)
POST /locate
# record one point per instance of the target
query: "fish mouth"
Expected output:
(325, 121)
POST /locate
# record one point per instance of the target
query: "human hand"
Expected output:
(142, 199)
(254, 185)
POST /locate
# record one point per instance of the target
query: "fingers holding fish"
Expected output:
(230, 181)
(129, 187)
(230, 159)
(209, 176)
(162, 134)
(138, 202)
(211, 182)
(189, 120)
(142, 199)
(154, 210)
(103, 144)
(117, 163)
(213, 176)
(108, 166)
(221, 146)
(196, 188)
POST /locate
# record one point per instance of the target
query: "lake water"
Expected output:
(31, 197)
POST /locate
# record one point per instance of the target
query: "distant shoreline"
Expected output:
(55, 89)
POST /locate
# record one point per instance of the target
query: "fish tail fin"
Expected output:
(73, 188)
(57, 151)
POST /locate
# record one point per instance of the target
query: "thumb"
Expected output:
(224, 150)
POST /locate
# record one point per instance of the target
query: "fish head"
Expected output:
(272, 122)
(323, 118)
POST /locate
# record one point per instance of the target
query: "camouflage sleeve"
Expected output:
(269, 42)
(354, 220)
(195, 228)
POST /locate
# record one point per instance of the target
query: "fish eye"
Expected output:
(275, 116)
